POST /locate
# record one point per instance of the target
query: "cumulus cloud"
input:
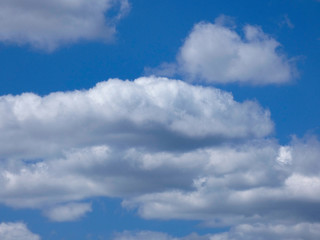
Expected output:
(46, 24)
(216, 53)
(154, 112)
(68, 212)
(16, 231)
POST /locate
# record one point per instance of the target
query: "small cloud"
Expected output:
(68, 212)
(217, 53)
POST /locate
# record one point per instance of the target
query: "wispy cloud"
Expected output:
(286, 22)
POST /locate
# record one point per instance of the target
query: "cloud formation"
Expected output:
(299, 231)
(169, 149)
(16, 231)
(216, 53)
(46, 24)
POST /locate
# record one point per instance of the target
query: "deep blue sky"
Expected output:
(151, 33)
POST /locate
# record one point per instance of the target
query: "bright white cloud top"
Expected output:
(46, 24)
(151, 111)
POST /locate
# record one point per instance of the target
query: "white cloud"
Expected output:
(218, 54)
(154, 112)
(215, 53)
(47, 24)
(68, 212)
(16, 231)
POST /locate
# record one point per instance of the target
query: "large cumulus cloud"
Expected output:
(153, 112)
(169, 149)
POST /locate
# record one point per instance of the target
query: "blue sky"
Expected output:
(164, 120)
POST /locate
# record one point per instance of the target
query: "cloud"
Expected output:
(168, 149)
(216, 53)
(307, 231)
(16, 231)
(150, 112)
(46, 24)
(68, 212)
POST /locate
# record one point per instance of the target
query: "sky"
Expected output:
(159, 120)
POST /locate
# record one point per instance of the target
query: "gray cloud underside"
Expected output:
(246, 183)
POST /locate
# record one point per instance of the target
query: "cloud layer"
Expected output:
(242, 232)
(216, 53)
(46, 24)
(244, 183)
